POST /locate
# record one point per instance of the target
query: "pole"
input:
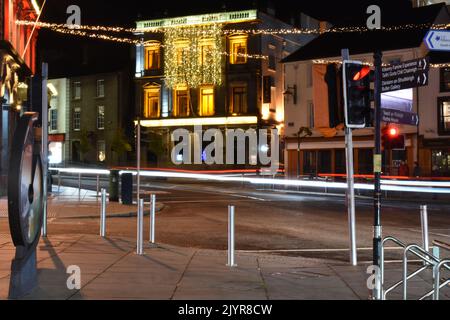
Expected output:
(98, 184)
(378, 161)
(103, 214)
(231, 237)
(298, 154)
(79, 185)
(424, 221)
(59, 181)
(140, 228)
(44, 145)
(350, 186)
(152, 218)
(138, 156)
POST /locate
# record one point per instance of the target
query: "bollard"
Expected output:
(59, 181)
(140, 228)
(103, 214)
(79, 185)
(424, 221)
(231, 237)
(152, 218)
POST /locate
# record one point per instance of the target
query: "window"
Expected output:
(101, 151)
(440, 163)
(445, 79)
(310, 114)
(181, 47)
(444, 115)
(53, 120)
(206, 101)
(324, 161)
(100, 88)
(340, 161)
(76, 93)
(151, 102)
(77, 119)
(238, 49)
(152, 56)
(309, 75)
(206, 50)
(309, 162)
(365, 161)
(238, 104)
(181, 102)
(100, 117)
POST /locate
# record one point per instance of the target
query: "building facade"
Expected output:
(98, 114)
(323, 152)
(17, 64)
(214, 70)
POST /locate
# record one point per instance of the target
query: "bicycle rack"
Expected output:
(429, 261)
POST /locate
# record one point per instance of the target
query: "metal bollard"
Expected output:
(152, 218)
(79, 185)
(231, 237)
(424, 221)
(59, 181)
(140, 228)
(103, 214)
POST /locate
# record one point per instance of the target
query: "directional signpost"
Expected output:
(405, 75)
(438, 40)
(399, 117)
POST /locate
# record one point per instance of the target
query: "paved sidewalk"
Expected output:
(110, 269)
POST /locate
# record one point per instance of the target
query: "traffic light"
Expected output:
(356, 85)
(392, 139)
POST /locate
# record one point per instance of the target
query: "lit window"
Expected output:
(100, 117)
(152, 56)
(181, 47)
(181, 102)
(101, 151)
(207, 101)
(238, 49)
(53, 120)
(238, 101)
(76, 93)
(77, 119)
(444, 115)
(206, 50)
(100, 88)
(151, 102)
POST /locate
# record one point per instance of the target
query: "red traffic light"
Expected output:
(393, 132)
(362, 73)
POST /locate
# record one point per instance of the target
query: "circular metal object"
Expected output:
(25, 185)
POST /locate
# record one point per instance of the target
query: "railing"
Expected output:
(429, 261)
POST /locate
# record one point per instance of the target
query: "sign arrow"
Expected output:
(438, 40)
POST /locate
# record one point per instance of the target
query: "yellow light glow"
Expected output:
(36, 6)
(280, 117)
(198, 122)
(265, 112)
(52, 89)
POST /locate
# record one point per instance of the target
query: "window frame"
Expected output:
(76, 85)
(176, 102)
(241, 40)
(442, 82)
(442, 131)
(102, 82)
(156, 91)
(244, 93)
(153, 47)
(76, 119)
(201, 106)
(100, 118)
(101, 143)
(53, 120)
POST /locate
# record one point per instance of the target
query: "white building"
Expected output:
(323, 152)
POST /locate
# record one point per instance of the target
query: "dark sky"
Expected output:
(69, 55)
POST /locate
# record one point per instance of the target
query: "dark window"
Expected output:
(77, 119)
(365, 161)
(324, 161)
(340, 166)
(272, 62)
(444, 115)
(309, 162)
(239, 100)
(53, 119)
(76, 93)
(445, 79)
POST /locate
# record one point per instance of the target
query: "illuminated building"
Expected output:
(18, 63)
(198, 71)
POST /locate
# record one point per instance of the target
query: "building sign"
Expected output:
(224, 17)
(405, 75)
(399, 117)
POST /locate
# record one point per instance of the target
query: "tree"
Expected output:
(120, 144)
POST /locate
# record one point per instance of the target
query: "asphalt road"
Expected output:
(280, 222)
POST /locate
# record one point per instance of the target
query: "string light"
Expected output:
(96, 36)
(284, 31)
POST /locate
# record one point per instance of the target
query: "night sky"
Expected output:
(69, 55)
